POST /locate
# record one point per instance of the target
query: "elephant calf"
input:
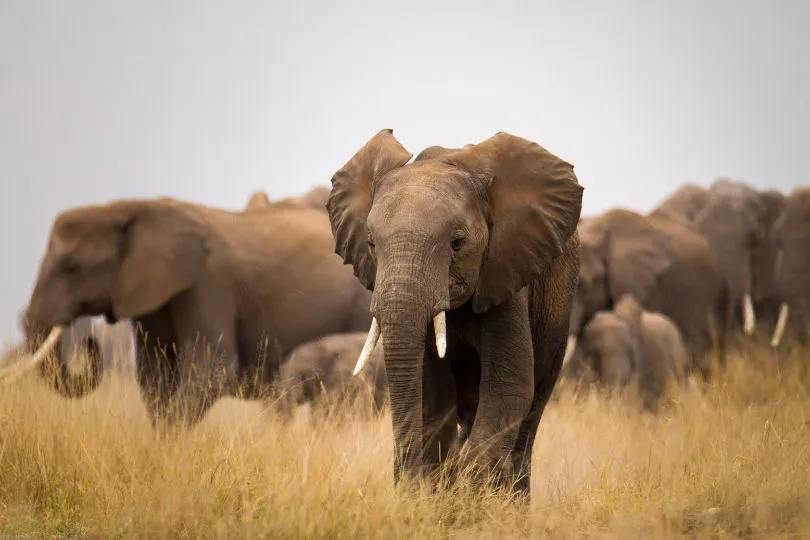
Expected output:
(631, 348)
(323, 367)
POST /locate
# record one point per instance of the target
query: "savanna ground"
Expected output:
(734, 463)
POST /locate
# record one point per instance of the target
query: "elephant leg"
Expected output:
(156, 364)
(438, 409)
(207, 363)
(506, 387)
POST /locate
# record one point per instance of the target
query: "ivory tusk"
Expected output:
(749, 317)
(440, 329)
(26, 364)
(781, 324)
(368, 346)
(570, 347)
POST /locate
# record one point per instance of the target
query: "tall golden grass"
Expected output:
(729, 461)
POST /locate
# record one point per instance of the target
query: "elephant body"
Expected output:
(665, 265)
(217, 298)
(324, 366)
(630, 347)
(472, 257)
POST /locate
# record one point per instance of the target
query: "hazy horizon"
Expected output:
(207, 102)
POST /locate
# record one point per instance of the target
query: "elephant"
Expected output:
(217, 297)
(735, 221)
(666, 265)
(685, 202)
(630, 347)
(764, 291)
(472, 258)
(324, 367)
(791, 237)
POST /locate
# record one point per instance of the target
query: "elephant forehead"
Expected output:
(444, 178)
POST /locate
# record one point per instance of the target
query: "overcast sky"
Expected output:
(208, 101)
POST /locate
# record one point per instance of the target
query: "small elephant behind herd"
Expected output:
(473, 268)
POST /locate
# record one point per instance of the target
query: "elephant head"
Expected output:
(456, 228)
(122, 260)
(734, 220)
(791, 236)
(621, 252)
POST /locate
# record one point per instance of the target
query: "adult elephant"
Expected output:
(482, 242)
(791, 234)
(217, 297)
(665, 265)
(735, 221)
(764, 291)
(630, 347)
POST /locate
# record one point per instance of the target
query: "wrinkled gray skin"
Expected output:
(487, 235)
(791, 234)
(217, 297)
(323, 369)
(666, 265)
(631, 348)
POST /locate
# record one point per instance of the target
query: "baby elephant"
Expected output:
(630, 347)
(323, 368)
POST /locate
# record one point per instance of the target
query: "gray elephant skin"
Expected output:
(666, 266)
(630, 347)
(323, 369)
(792, 243)
(217, 297)
(481, 241)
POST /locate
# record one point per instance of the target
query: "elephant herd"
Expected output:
(454, 287)
(714, 264)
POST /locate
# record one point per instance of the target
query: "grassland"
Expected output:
(731, 461)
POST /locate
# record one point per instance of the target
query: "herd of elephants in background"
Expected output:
(471, 266)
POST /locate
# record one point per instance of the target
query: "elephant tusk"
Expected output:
(570, 347)
(440, 329)
(781, 324)
(368, 346)
(23, 366)
(749, 317)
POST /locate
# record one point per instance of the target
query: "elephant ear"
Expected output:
(638, 254)
(534, 206)
(350, 200)
(163, 252)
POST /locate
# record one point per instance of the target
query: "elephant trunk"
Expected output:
(53, 367)
(406, 306)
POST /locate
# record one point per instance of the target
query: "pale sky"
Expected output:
(207, 101)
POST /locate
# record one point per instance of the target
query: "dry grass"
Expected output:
(733, 463)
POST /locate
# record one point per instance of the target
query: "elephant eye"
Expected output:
(370, 241)
(457, 241)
